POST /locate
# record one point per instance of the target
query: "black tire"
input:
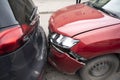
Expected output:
(114, 77)
(100, 68)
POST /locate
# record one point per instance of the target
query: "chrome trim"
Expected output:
(77, 57)
(72, 55)
(58, 49)
(62, 41)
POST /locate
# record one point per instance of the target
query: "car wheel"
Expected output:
(100, 68)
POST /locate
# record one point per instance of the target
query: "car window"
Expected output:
(113, 6)
(22, 10)
(99, 3)
(109, 5)
(6, 15)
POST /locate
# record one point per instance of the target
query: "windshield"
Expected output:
(110, 5)
(6, 15)
(22, 10)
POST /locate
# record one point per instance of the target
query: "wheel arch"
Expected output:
(109, 53)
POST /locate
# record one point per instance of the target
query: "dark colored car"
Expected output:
(85, 38)
(22, 41)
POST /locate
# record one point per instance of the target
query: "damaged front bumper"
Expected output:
(64, 59)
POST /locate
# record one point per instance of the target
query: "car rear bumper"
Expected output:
(27, 62)
(63, 62)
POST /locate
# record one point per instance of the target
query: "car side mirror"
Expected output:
(78, 1)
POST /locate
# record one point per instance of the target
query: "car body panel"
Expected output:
(70, 26)
(83, 26)
(27, 61)
(23, 63)
(71, 14)
(60, 59)
(97, 32)
(98, 42)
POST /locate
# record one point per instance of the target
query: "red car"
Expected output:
(85, 38)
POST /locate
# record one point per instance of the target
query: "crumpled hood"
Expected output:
(79, 18)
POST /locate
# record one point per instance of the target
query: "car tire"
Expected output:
(100, 68)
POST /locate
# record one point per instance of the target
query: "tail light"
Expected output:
(11, 39)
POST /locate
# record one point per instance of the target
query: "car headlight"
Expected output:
(63, 41)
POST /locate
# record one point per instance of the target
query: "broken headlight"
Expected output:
(63, 41)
